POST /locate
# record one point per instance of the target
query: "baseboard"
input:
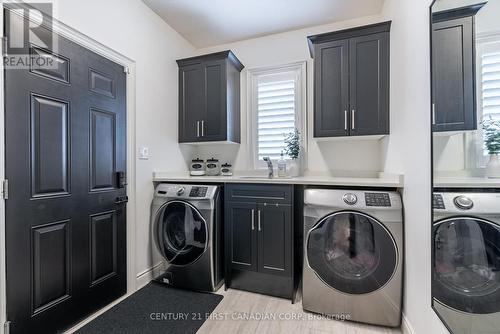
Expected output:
(147, 275)
(406, 327)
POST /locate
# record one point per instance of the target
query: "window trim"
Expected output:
(300, 70)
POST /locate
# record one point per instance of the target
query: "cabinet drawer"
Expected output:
(259, 193)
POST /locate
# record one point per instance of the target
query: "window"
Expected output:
(490, 84)
(489, 90)
(276, 109)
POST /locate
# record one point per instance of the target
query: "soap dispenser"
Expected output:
(282, 166)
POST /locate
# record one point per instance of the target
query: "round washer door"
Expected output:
(181, 233)
(467, 264)
(352, 252)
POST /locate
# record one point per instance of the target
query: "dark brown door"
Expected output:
(65, 144)
(369, 84)
(331, 89)
(274, 224)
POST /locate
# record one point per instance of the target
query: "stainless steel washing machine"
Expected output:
(353, 255)
(187, 231)
(466, 269)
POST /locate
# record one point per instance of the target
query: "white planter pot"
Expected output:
(294, 168)
(493, 168)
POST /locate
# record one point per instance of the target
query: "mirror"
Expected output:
(465, 113)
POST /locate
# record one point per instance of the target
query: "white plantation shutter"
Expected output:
(276, 113)
(490, 80)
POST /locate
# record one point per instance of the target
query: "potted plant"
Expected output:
(292, 150)
(492, 141)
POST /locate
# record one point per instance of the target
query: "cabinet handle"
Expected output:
(203, 128)
(258, 220)
(253, 219)
(434, 114)
(352, 120)
(345, 119)
(198, 129)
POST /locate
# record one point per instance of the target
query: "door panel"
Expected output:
(192, 102)
(49, 146)
(51, 265)
(102, 150)
(55, 154)
(103, 246)
(331, 117)
(214, 126)
(369, 84)
(274, 224)
(60, 72)
(241, 229)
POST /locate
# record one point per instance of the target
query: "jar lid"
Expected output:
(197, 160)
(213, 160)
(226, 165)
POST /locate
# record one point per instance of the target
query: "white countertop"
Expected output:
(466, 182)
(389, 181)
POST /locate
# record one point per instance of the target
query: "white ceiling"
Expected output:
(212, 22)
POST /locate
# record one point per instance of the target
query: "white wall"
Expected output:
(410, 105)
(132, 29)
(284, 48)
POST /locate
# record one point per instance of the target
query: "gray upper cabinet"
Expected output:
(351, 81)
(453, 70)
(209, 98)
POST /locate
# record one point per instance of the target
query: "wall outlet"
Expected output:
(144, 153)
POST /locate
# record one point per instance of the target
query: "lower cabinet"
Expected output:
(259, 239)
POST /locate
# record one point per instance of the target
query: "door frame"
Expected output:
(130, 66)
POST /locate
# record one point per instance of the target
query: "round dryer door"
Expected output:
(467, 264)
(181, 232)
(352, 252)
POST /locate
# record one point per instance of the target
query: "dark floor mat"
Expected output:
(156, 308)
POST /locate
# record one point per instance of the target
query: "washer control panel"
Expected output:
(198, 191)
(377, 199)
(186, 191)
(438, 202)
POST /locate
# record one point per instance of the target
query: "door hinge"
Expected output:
(6, 327)
(5, 189)
(126, 70)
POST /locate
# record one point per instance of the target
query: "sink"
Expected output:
(253, 177)
(249, 177)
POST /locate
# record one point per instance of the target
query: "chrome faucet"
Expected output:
(269, 166)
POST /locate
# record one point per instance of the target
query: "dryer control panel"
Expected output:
(198, 191)
(377, 199)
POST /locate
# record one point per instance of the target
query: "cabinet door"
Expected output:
(331, 94)
(241, 235)
(214, 127)
(274, 226)
(191, 102)
(369, 84)
(453, 75)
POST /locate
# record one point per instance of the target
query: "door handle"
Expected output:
(203, 128)
(198, 129)
(353, 124)
(258, 220)
(434, 114)
(345, 119)
(121, 199)
(253, 219)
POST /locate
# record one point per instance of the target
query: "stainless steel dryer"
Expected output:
(353, 244)
(466, 270)
(187, 230)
